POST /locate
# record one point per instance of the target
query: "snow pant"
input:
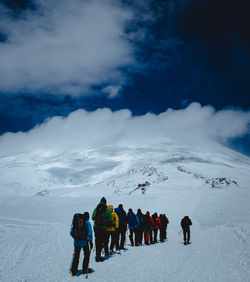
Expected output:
(155, 231)
(140, 234)
(186, 234)
(133, 233)
(114, 240)
(121, 234)
(151, 236)
(76, 256)
(146, 233)
(163, 234)
(101, 241)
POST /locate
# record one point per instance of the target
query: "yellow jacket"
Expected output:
(115, 219)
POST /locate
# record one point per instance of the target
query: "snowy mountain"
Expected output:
(41, 190)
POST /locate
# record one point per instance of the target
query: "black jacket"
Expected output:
(186, 222)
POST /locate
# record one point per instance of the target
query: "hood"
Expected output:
(102, 203)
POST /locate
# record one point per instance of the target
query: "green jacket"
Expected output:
(108, 217)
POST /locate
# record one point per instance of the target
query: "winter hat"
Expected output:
(130, 210)
(120, 206)
(111, 207)
(104, 200)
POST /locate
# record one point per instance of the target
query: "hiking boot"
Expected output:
(87, 271)
(99, 259)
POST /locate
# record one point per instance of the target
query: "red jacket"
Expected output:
(155, 223)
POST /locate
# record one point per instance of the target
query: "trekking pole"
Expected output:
(126, 237)
(70, 269)
(87, 275)
(125, 241)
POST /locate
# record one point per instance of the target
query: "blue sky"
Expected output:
(145, 56)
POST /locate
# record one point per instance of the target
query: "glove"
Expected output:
(91, 245)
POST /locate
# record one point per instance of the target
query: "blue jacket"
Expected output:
(121, 215)
(84, 242)
(133, 222)
(140, 219)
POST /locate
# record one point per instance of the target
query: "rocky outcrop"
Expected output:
(216, 182)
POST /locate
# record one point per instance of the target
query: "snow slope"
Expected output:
(40, 192)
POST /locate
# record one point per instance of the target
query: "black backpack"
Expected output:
(146, 221)
(100, 218)
(79, 227)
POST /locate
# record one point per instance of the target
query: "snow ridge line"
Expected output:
(215, 182)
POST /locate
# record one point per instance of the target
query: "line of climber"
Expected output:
(110, 226)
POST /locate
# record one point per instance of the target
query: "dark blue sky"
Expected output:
(191, 51)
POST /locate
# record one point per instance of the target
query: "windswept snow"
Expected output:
(41, 191)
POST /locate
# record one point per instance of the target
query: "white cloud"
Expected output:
(195, 126)
(65, 46)
(111, 90)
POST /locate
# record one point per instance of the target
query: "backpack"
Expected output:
(140, 218)
(146, 221)
(120, 214)
(132, 221)
(156, 223)
(100, 218)
(79, 231)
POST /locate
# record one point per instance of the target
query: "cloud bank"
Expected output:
(65, 47)
(194, 125)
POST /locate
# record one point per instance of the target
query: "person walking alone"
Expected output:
(185, 224)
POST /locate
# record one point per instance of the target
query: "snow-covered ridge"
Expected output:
(136, 179)
(121, 169)
(215, 182)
